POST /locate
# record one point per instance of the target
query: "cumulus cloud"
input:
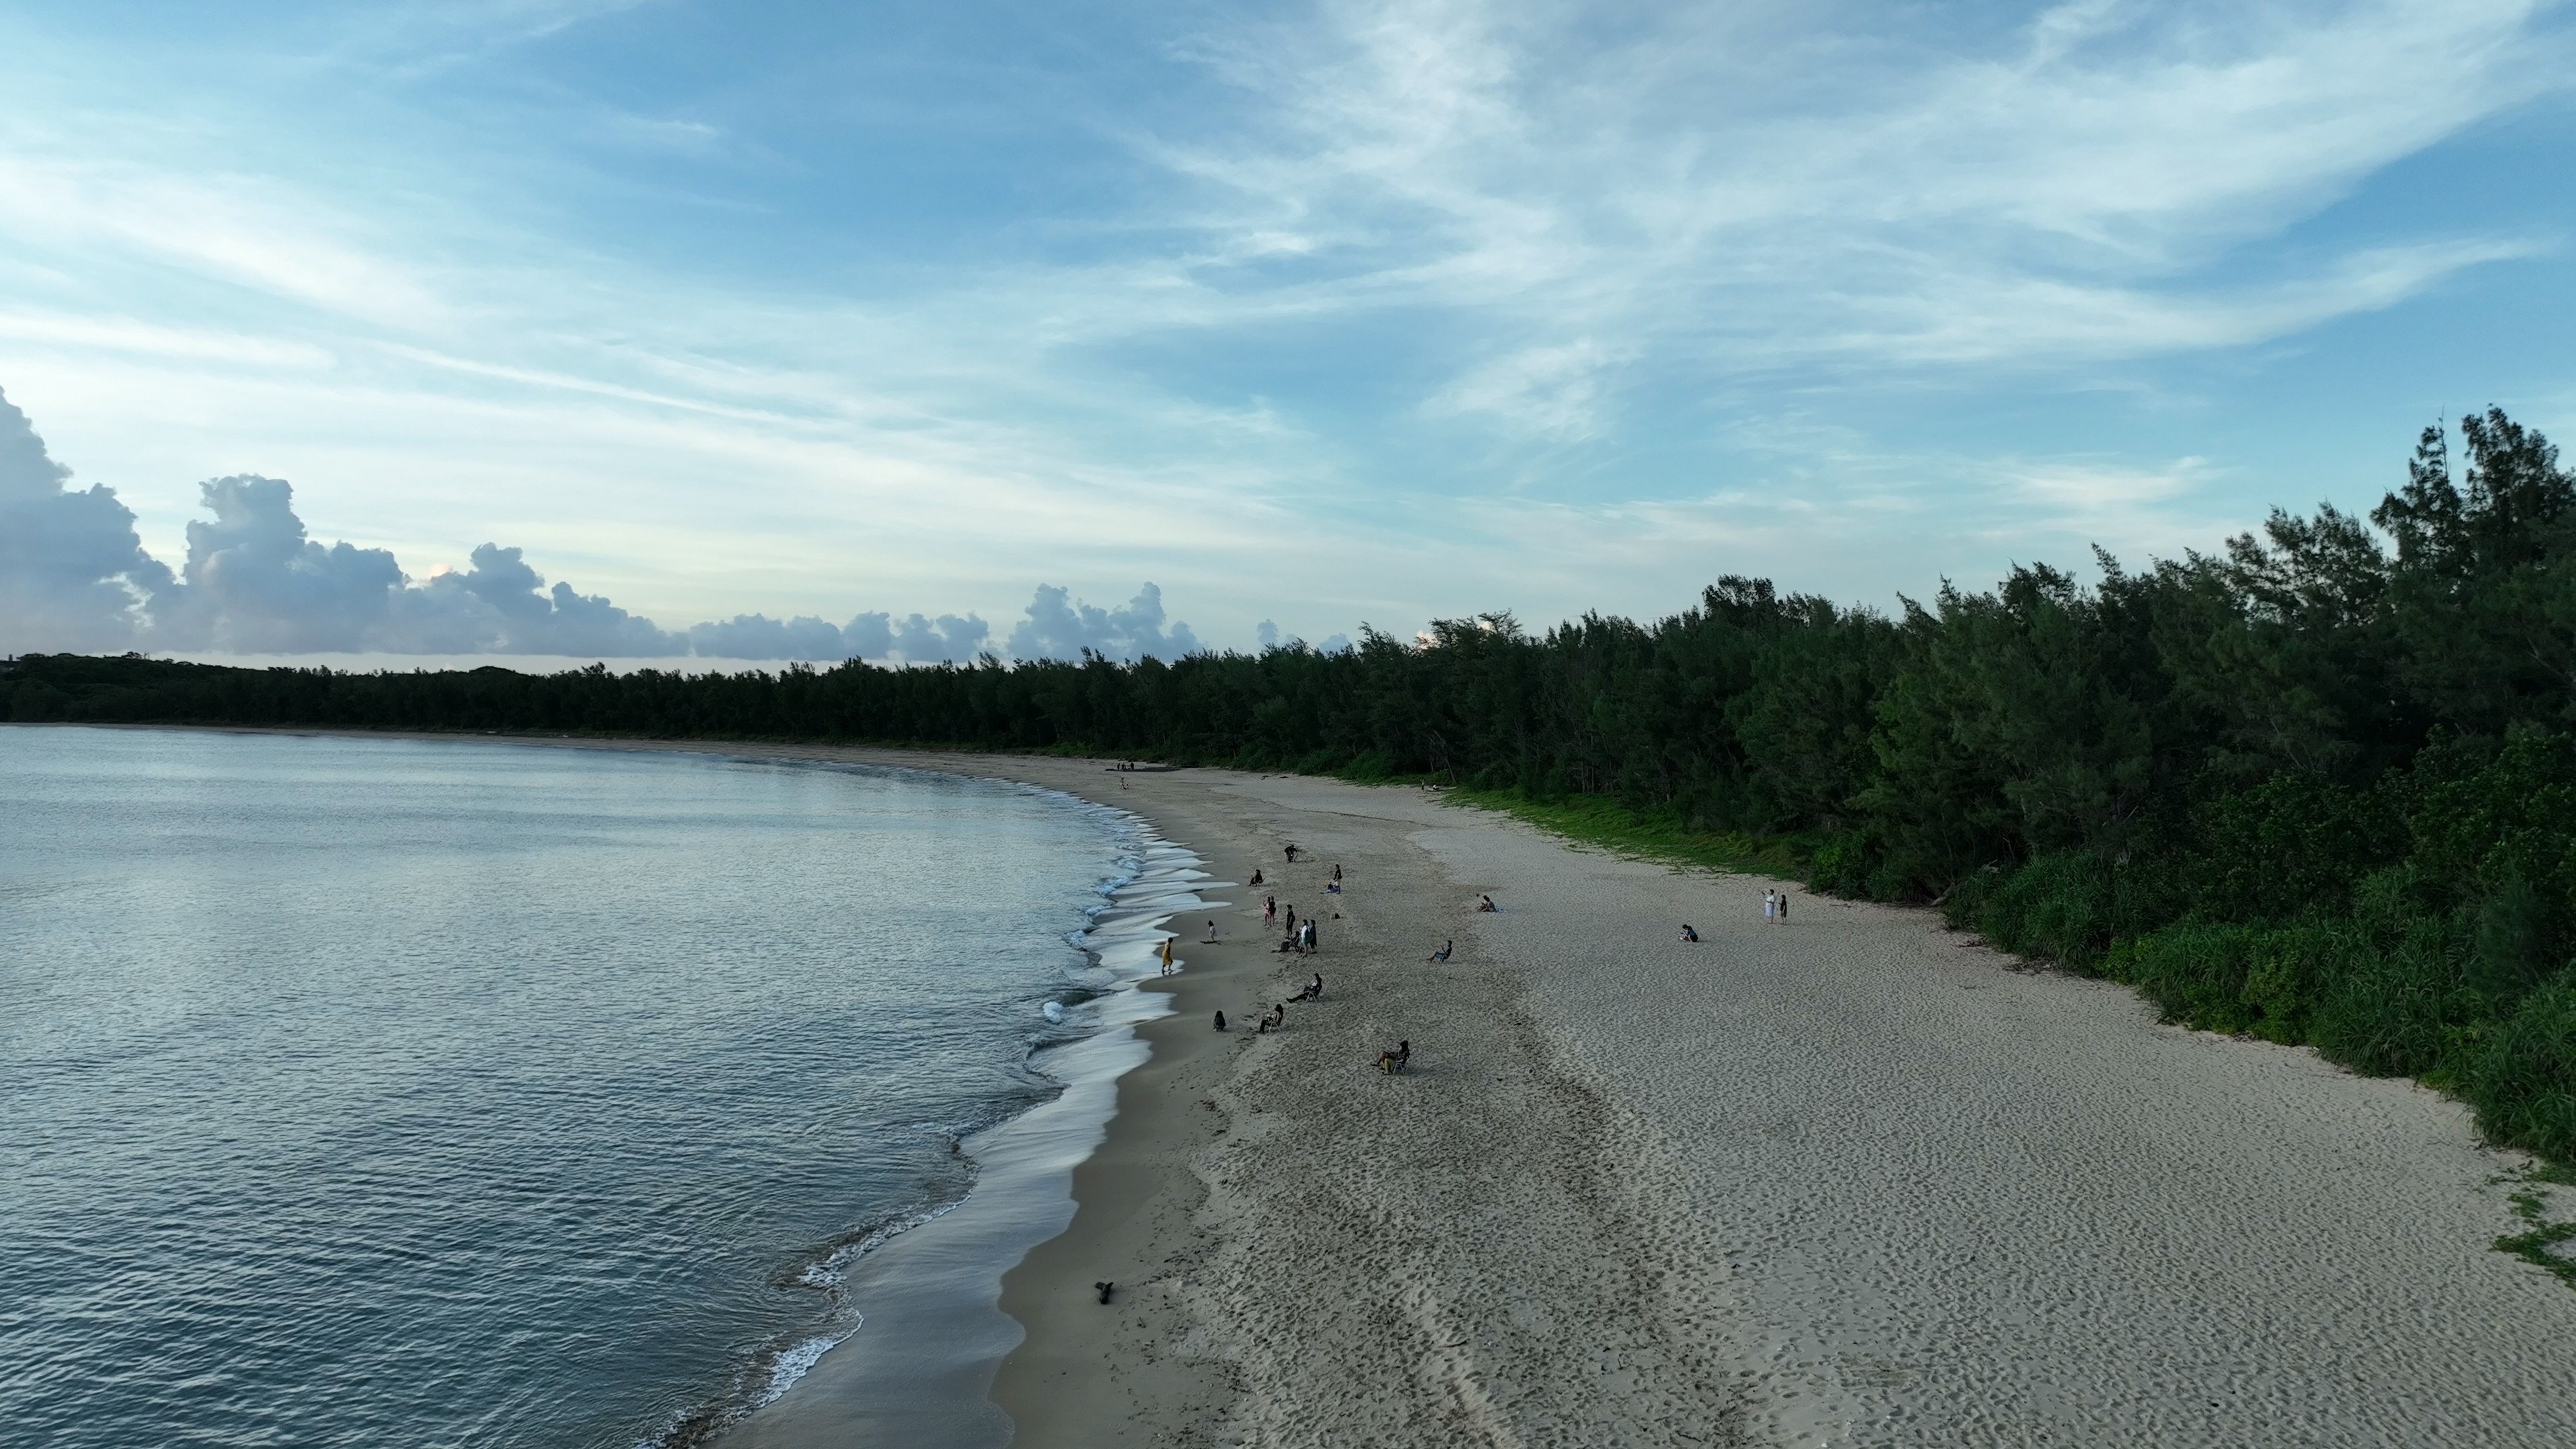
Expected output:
(74, 576)
(503, 604)
(1057, 626)
(1267, 633)
(72, 569)
(948, 639)
(253, 582)
(757, 636)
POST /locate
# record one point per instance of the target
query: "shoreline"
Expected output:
(917, 1363)
(1855, 1180)
(918, 1369)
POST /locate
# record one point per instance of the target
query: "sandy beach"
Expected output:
(1851, 1179)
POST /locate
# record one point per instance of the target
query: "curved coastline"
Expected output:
(917, 1367)
(912, 1361)
(1853, 1180)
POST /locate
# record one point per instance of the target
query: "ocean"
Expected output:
(377, 1091)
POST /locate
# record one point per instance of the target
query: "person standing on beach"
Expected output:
(1269, 911)
(1784, 908)
(1167, 956)
(1770, 905)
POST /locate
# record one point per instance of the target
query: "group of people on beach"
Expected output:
(1775, 911)
(1300, 937)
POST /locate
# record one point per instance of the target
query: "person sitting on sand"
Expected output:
(1687, 933)
(1287, 943)
(1332, 887)
(1486, 903)
(1315, 988)
(1255, 882)
(1393, 1062)
(1292, 854)
(1443, 953)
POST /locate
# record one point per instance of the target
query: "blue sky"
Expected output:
(1306, 313)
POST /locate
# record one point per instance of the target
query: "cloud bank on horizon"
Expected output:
(1402, 310)
(74, 577)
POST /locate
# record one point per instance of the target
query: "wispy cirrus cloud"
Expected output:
(1878, 197)
(703, 326)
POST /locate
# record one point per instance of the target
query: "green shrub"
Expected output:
(2057, 907)
(2524, 1082)
(2390, 1013)
(2515, 931)
(1965, 901)
(1370, 765)
(1841, 865)
(2227, 976)
(2195, 973)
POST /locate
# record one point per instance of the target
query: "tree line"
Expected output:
(2318, 786)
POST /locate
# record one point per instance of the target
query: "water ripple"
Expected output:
(371, 1091)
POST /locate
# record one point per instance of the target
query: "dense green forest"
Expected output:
(2319, 786)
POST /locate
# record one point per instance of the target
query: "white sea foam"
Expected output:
(795, 1360)
(833, 1268)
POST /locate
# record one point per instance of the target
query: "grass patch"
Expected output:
(1599, 820)
(2534, 1243)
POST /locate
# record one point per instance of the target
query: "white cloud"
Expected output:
(245, 230)
(1550, 392)
(1554, 230)
(1877, 189)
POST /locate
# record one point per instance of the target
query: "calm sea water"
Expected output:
(374, 1092)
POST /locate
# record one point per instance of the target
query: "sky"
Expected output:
(682, 327)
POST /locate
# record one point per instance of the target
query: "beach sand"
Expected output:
(1851, 1179)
